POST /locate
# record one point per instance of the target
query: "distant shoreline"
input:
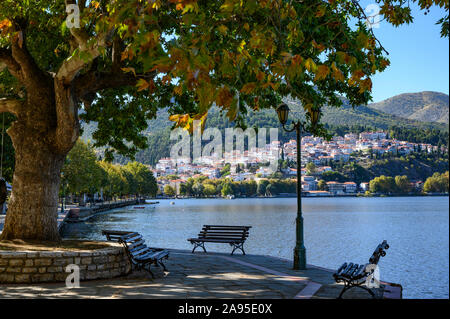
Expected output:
(321, 196)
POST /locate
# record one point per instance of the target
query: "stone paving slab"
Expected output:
(200, 275)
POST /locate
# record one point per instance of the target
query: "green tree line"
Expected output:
(438, 183)
(84, 173)
(204, 187)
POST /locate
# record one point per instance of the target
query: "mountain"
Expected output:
(422, 106)
(158, 131)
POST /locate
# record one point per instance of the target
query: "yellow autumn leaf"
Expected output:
(362, 40)
(310, 65)
(181, 120)
(129, 69)
(224, 97)
(174, 118)
(340, 56)
(286, 56)
(384, 63)
(142, 85)
(5, 24)
(320, 12)
(95, 4)
(178, 90)
(189, 8)
(248, 88)
(322, 72)
(242, 45)
(337, 74)
(260, 76)
(296, 60)
(358, 74)
(275, 86)
(365, 85)
(223, 29)
(318, 46)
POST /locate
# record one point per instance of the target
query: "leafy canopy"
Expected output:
(189, 54)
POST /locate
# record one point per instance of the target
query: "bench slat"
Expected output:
(359, 272)
(115, 232)
(341, 269)
(352, 270)
(228, 226)
(222, 235)
(133, 238)
(224, 228)
(138, 250)
(152, 255)
(201, 235)
(347, 269)
(136, 243)
(236, 233)
(216, 240)
(130, 236)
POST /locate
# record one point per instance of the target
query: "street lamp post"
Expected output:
(299, 250)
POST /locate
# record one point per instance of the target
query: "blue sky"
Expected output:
(419, 57)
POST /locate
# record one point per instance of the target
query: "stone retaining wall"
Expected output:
(50, 266)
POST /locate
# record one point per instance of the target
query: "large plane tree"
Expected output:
(120, 60)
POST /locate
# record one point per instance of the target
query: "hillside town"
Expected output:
(253, 164)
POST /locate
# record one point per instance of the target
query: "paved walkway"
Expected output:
(200, 275)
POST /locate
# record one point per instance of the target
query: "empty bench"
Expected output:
(140, 256)
(354, 275)
(235, 236)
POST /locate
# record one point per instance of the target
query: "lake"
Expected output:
(336, 230)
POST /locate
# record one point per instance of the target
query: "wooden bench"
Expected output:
(140, 256)
(354, 275)
(114, 235)
(233, 235)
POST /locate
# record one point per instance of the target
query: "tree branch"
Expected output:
(116, 53)
(7, 61)
(71, 66)
(30, 74)
(74, 64)
(10, 106)
(82, 88)
(87, 85)
(363, 14)
(67, 125)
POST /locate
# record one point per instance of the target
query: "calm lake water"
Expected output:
(336, 230)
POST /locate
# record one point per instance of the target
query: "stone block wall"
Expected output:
(50, 266)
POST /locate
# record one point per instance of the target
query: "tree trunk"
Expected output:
(40, 150)
(32, 211)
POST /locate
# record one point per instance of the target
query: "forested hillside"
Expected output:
(338, 120)
(422, 106)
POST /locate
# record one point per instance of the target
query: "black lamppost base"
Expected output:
(299, 258)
